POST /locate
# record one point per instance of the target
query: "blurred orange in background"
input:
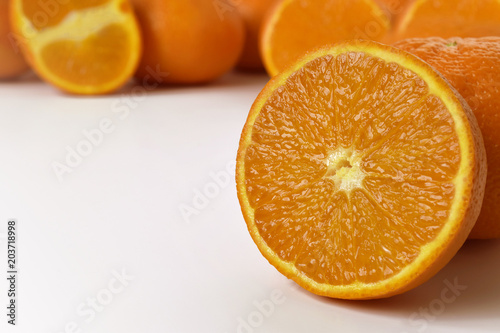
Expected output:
(81, 47)
(395, 8)
(253, 13)
(12, 63)
(194, 41)
(449, 18)
(89, 50)
(295, 27)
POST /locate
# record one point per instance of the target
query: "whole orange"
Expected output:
(253, 13)
(188, 41)
(472, 66)
(12, 62)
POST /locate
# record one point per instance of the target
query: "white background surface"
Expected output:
(119, 210)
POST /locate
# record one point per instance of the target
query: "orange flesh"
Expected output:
(81, 66)
(82, 47)
(44, 16)
(350, 189)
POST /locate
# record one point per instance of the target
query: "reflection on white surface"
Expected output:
(120, 209)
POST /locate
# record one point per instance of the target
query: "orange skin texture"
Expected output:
(448, 18)
(253, 13)
(188, 39)
(472, 66)
(12, 63)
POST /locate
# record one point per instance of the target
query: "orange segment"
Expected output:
(360, 171)
(295, 27)
(450, 18)
(87, 55)
(84, 48)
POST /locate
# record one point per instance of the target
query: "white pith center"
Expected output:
(344, 169)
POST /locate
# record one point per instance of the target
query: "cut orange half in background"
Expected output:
(360, 171)
(82, 47)
(294, 27)
(449, 18)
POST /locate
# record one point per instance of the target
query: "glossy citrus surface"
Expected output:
(472, 66)
(360, 171)
(90, 47)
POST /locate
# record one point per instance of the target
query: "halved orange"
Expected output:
(360, 171)
(294, 27)
(82, 47)
(449, 18)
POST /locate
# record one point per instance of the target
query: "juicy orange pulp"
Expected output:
(358, 171)
(355, 182)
